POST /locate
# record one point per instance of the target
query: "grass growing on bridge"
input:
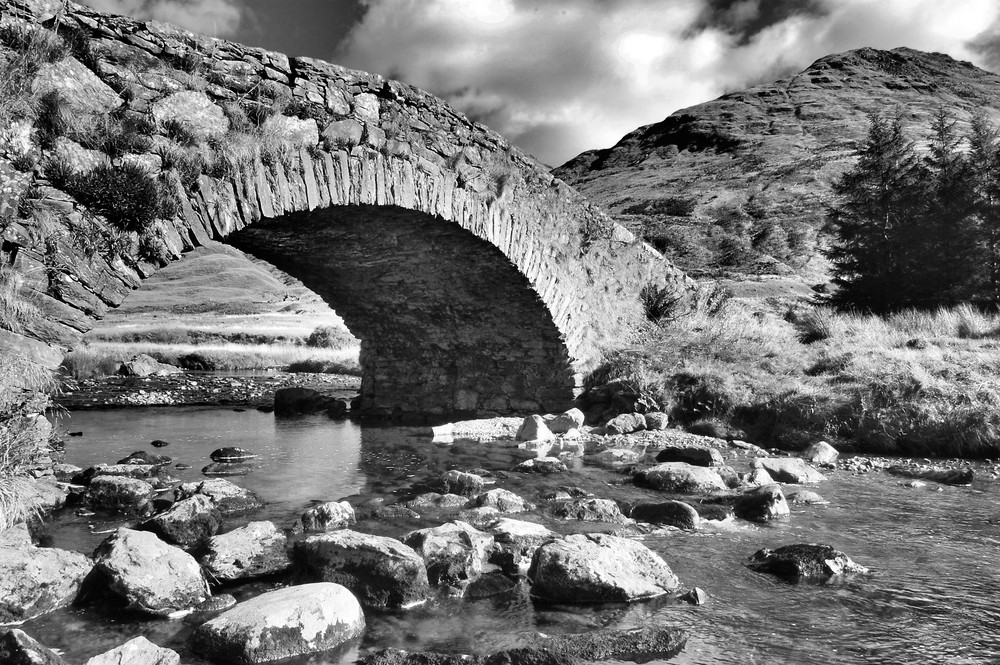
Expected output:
(915, 383)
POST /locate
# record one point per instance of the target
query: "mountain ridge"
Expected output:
(757, 166)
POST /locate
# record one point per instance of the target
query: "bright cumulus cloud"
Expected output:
(561, 76)
(218, 18)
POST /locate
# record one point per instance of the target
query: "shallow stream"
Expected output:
(933, 550)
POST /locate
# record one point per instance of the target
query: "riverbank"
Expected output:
(238, 390)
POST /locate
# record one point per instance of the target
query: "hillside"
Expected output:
(740, 185)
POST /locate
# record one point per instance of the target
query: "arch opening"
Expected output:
(449, 327)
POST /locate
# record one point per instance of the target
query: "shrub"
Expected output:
(330, 337)
(661, 303)
(703, 394)
(673, 206)
(127, 196)
(52, 119)
(815, 324)
(180, 131)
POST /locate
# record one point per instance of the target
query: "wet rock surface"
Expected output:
(804, 562)
(187, 523)
(19, 648)
(256, 549)
(137, 651)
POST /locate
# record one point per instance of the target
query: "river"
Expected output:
(933, 550)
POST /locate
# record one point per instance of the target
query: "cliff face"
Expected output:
(760, 163)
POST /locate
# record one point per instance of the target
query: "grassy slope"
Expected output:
(914, 384)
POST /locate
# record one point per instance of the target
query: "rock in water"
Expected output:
(138, 651)
(681, 477)
(251, 551)
(789, 470)
(693, 456)
(120, 494)
(36, 580)
(503, 501)
(328, 516)
(626, 423)
(285, 623)
(672, 513)
(598, 568)
(458, 482)
(804, 561)
(19, 648)
(143, 365)
(821, 452)
(453, 553)
(152, 576)
(380, 571)
(515, 542)
(762, 504)
(188, 522)
(534, 429)
(566, 421)
(228, 497)
(232, 454)
(591, 510)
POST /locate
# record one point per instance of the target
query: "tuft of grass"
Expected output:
(127, 196)
(15, 310)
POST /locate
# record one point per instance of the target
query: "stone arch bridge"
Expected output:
(476, 282)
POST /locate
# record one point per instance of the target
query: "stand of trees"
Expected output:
(916, 230)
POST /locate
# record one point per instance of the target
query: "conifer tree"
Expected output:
(984, 162)
(944, 241)
(881, 199)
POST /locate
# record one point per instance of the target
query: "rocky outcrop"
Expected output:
(36, 580)
(148, 574)
(289, 622)
(251, 551)
(598, 568)
(380, 571)
(804, 561)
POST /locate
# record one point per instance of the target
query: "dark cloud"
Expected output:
(746, 19)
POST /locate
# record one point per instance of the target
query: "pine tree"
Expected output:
(881, 198)
(945, 238)
(984, 162)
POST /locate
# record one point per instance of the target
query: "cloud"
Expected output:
(218, 18)
(561, 76)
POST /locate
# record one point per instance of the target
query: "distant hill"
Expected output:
(741, 185)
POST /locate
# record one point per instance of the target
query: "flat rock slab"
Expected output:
(285, 623)
(598, 568)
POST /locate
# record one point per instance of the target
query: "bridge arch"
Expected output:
(477, 282)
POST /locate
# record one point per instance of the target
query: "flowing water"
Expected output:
(933, 551)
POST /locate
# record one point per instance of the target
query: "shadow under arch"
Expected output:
(449, 327)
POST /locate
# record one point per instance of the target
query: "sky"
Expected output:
(557, 77)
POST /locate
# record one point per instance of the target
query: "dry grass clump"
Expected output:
(914, 383)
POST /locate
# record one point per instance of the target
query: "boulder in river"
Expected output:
(298, 400)
(543, 465)
(942, 475)
(188, 522)
(19, 648)
(671, 513)
(137, 651)
(285, 623)
(458, 482)
(380, 571)
(142, 365)
(453, 553)
(598, 568)
(36, 580)
(590, 510)
(789, 470)
(762, 504)
(328, 516)
(534, 428)
(152, 576)
(142, 457)
(804, 561)
(120, 494)
(250, 551)
(232, 454)
(821, 452)
(515, 542)
(682, 478)
(147, 472)
(566, 421)
(228, 497)
(806, 497)
(625, 423)
(503, 501)
(216, 469)
(691, 455)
